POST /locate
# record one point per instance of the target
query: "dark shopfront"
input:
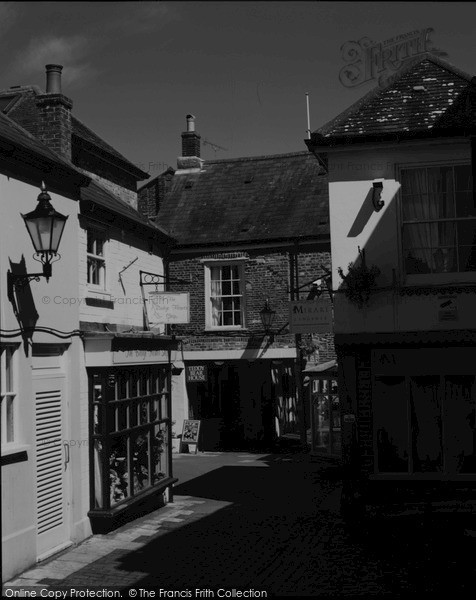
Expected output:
(130, 430)
(242, 404)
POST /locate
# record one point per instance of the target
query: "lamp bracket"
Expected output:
(377, 186)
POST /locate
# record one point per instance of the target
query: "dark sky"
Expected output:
(135, 69)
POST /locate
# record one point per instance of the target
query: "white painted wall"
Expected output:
(351, 172)
(19, 479)
(120, 251)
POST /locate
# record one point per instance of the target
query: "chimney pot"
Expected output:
(190, 123)
(53, 79)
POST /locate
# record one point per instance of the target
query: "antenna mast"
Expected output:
(308, 117)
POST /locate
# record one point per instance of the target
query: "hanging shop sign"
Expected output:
(168, 308)
(310, 316)
(197, 373)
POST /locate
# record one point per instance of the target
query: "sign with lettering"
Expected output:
(125, 357)
(168, 308)
(311, 316)
(196, 373)
(447, 309)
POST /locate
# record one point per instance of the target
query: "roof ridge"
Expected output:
(255, 158)
(377, 90)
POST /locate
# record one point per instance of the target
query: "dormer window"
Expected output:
(439, 220)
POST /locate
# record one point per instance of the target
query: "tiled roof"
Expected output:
(84, 133)
(428, 97)
(248, 199)
(25, 95)
(14, 137)
(98, 194)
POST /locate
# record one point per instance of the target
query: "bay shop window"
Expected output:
(439, 220)
(425, 423)
(130, 421)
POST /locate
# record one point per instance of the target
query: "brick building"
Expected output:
(401, 167)
(249, 231)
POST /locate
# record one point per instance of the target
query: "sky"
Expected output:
(134, 70)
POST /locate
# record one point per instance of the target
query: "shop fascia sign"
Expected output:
(310, 316)
(169, 308)
(126, 357)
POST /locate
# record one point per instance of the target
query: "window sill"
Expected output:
(225, 329)
(14, 453)
(99, 302)
(98, 292)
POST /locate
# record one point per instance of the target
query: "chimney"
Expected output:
(54, 118)
(190, 139)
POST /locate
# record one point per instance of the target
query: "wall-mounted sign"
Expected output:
(124, 357)
(168, 308)
(311, 316)
(447, 308)
(196, 373)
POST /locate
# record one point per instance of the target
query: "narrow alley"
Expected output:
(264, 523)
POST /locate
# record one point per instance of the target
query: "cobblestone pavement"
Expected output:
(263, 523)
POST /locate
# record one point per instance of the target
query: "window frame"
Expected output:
(208, 265)
(411, 473)
(6, 394)
(105, 427)
(98, 233)
(413, 279)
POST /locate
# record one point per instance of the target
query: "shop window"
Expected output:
(224, 285)
(8, 394)
(96, 259)
(130, 424)
(431, 429)
(391, 424)
(439, 220)
(325, 416)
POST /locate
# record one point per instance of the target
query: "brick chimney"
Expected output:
(54, 123)
(190, 158)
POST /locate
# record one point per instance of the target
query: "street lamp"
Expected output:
(267, 315)
(45, 226)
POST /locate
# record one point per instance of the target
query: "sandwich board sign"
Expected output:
(311, 316)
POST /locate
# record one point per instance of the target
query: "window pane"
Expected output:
(226, 288)
(9, 369)
(215, 273)
(98, 457)
(463, 178)
(99, 247)
(460, 430)
(440, 192)
(444, 260)
(467, 233)
(227, 318)
(10, 418)
(119, 470)
(140, 457)
(236, 288)
(417, 236)
(465, 205)
(467, 258)
(427, 442)
(226, 272)
(418, 260)
(391, 425)
(235, 272)
(159, 452)
(415, 201)
(90, 243)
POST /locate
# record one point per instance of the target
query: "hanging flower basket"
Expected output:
(360, 281)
